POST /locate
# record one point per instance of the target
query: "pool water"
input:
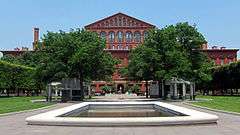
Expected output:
(120, 111)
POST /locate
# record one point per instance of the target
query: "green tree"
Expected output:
(15, 76)
(173, 58)
(192, 40)
(29, 58)
(225, 77)
(176, 52)
(135, 89)
(106, 89)
(144, 63)
(173, 61)
(79, 54)
(10, 58)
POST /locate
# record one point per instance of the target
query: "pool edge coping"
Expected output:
(51, 117)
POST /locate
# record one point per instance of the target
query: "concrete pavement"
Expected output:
(16, 125)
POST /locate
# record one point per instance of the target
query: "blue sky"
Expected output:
(218, 20)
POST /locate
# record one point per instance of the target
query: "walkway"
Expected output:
(120, 98)
(15, 125)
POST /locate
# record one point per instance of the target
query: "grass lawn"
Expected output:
(226, 103)
(14, 104)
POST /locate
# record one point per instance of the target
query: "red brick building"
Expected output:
(122, 33)
(220, 55)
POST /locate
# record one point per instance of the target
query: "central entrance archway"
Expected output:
(120, 88)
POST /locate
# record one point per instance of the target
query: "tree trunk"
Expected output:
(231, 92)
(37, 91)
(40, 92)
(8, 91)
(16, 89)
(194, 91)
(147, 89)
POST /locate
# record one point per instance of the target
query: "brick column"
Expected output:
(97, 88)
(124, 39)
(125, 62)
(35, 38)
(234, 59)
(142, 36)
(225, 60)
(183, 91)
(218, 62)
(107, 40)
(143, 87)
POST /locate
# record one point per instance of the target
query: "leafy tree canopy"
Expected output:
(13, 76)
(78, 53)
(173, 51)
(75, 54)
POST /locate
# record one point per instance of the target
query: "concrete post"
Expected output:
(49, 93)
(194, 89)
(171, 90)
(175, 91)
(183, 91)
(56, 93)
(70, 94)
(163, 94)
(191, 91)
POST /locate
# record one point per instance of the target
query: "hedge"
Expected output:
(227, 76)
(14, 77)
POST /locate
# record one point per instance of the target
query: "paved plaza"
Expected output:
(16, 125)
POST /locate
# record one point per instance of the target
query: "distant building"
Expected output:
(220, 55)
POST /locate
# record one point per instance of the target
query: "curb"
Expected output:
(215, 110)
(24, 111)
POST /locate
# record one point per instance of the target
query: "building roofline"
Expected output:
(16, 50)
(116, 15)
(226, 49)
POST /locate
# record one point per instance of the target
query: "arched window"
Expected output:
(119, 46)
(112, 46)
(137, 36)
(103, 35)
(126, 47)
(111, 36)
(128, 36)
(120, 36)
(145, 34)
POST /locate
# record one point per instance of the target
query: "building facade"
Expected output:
(123, 32)
(220, 55)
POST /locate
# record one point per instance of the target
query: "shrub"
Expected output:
(14, 77)
(106, 89)
(134, 89)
